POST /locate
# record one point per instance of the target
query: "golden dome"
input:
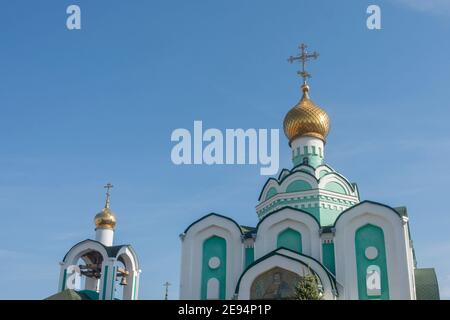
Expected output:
(306, 119)
(105, 219)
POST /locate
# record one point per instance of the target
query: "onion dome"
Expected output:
(106, 219)
(306, 119)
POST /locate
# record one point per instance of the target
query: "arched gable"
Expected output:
(193, 258)
(335, 187)
(129, 256)
(336, 183)
(290, 261)
(303, 180)
(281, 184)
(270, 226)
(271, 192)
(270, 183)
(83, 247)
(363, 204)
(399, 262)
(323, 167)
(208, 216)
(297, 186)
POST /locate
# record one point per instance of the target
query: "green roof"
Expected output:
(427, 287)
(402, 211)
(70, 294)
(247, 231)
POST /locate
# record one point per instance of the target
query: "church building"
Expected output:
(310, 219)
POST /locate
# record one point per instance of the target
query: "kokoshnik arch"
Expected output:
(311, 219)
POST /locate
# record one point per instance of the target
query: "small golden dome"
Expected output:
(306, 119)
(105, 219)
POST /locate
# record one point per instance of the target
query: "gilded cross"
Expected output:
(108, 187)
(303, 58)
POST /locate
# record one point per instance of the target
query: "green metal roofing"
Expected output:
(402, 211)
(70, 294)
(248, 231)
(427, 287)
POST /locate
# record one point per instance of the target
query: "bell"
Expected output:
(124, 282)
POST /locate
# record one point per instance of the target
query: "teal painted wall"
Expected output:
(290, 239)
(272, 192)
(105, 277)
(328, 258)
(249, 256)
(314, 156)
(298, 185)
(63, 287)
(328, 216)
(335, 187)
(371, 236)
(113, 283)
(214, 247)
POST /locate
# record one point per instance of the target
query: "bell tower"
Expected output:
(98, 269)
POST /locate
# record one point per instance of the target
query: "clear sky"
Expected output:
(81, 108)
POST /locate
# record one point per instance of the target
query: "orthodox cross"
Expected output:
(167, 284)
(108, 187)
(303, 58)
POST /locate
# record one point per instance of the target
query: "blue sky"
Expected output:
(81, 108)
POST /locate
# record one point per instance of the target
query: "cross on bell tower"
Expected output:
(108, 187)
(166, 285)
(304, 57)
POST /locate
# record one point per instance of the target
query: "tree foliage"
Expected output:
(308, 288)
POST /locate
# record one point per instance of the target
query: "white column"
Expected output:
(130, 292)
(106, 280)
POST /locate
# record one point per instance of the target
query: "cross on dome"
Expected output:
(304, 57)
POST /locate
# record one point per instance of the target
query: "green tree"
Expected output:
(308, 288)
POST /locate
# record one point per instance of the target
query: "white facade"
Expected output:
(341, 285)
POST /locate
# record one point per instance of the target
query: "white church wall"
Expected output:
(192, 255)
(104, 236)
(410, 257)
(399, 273)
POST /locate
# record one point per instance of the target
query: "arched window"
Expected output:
(214, 265)
(335, 187)
(290, 239)
(371, 263)
(298, 185)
